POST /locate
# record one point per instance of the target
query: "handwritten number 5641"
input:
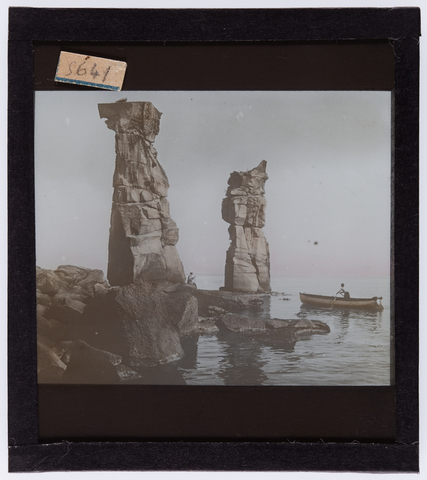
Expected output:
(81, 71)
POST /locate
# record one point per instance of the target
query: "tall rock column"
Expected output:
(142, 234)
(247, 267)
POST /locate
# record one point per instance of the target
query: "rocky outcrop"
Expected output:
(62, 296)
(126, 374)
(270, 331)
(206, 326)
(85, 327)
(241, 324)
(133, 321)
(50, 367)
(247, 267)
(133, 333)
(142, 234)
(182, 311)
(226, 300)
(90, 365)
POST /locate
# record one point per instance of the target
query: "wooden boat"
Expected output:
(340, 302)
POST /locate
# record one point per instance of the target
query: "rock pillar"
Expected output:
(247, 267)
(142, 234)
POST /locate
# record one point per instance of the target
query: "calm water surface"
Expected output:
(355, 352)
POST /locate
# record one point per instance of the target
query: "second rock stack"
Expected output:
(247, 267)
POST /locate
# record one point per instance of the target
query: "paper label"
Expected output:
(90, 71)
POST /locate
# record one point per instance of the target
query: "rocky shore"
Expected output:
(90, 332)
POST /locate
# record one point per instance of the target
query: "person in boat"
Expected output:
(342, 292)
(191, 278)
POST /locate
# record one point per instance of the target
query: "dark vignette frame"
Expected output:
(27, 25)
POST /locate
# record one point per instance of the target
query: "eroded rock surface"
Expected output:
(226, 300)
(142, 234)
(62, 297)
(182, 310)
(85, 327)
(133, 321)
(87, 364)
(270, 331)
(50, 367)
(247, 267)
(240, 323)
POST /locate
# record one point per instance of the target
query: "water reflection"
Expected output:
(190, 347)
(344, 323)
(348, 313)
(242, 362)
(369, 320)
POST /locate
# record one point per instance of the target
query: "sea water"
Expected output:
(355, 352)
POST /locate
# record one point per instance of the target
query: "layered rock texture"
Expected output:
(142, 234)
(247, 267)
(63, 296)
(90, 332)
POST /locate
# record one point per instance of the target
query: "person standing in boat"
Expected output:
(342, 292)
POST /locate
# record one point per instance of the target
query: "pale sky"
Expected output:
(328, 159)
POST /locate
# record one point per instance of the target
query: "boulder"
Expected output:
(133, 321)
(90, 365)
(99, 290)
(280, 332)
(68, 311)
(70, 274)
(232, 302)
(80, 282)
(72, 292)
(66, 347)
(149, 335)
(216, 311)
(309, 327)
(43, 299)
(51, 328)
(182, 310)
(239, 323)
(126, 374)
(41, 310)
(69, 290)
(179, 287)
(206, 326)
(270, 331)
(48, 282)
(50, 368)
(93, 278)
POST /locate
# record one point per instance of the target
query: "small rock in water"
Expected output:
(91, 365)
(125, 373)
(216, 311)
